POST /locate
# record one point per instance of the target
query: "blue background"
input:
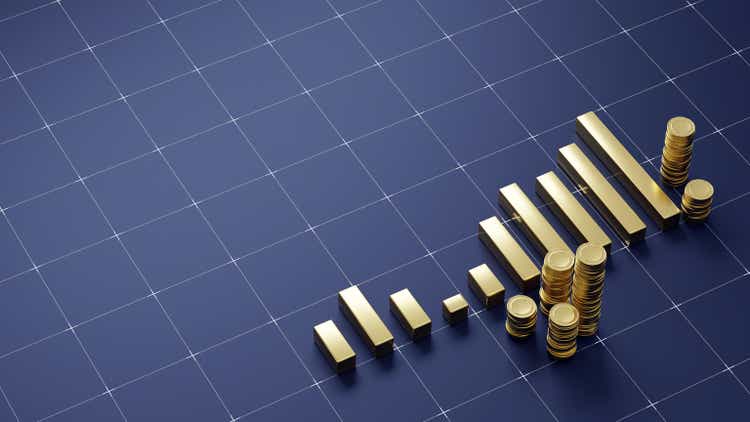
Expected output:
(186, 185)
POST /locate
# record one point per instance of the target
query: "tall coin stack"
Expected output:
(697, 199)
(557, 272)
(562, 331)
(520, 316)
(588, 284)
(677, 152)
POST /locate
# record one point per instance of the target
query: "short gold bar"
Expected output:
(628, 171)
(541, 233)
(455, 309)
(411, 315)
(334, 346)
(361, 314)
(510, 254)
(486, 286)
(566, 207)
(602, 195)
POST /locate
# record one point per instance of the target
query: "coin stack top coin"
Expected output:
(562, 331)
(520, 316)
(678, 150)
(697, 199)
(588, 284)
(557, 273)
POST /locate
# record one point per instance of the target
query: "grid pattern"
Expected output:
(339, 130)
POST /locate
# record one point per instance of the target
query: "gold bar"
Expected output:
(628, 171)
(566, 207)
(361, 314)
(544, 237)
(333, 344)
(411, 315)
(505, 248)
(600, 192)
(455, 309)
(486, 286)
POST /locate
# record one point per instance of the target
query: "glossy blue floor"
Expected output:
(186, 185)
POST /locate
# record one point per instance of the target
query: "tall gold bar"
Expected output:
(486, 286)
(628, 171)
(566, 207)
(544, 237)
(334, 346)
(361, 314)
(602, 195)
(411, 315)
(510, 254)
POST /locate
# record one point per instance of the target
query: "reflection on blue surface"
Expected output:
(221, 207)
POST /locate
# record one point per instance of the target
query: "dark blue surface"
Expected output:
(121, 299)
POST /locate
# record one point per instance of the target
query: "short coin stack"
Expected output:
(677, 152)
(557, 272)
(562, 331)
(520, 316)
(588, 284)
(696, 200)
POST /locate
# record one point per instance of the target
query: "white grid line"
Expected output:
(743, 194)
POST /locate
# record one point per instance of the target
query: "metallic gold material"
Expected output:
(361, 314)
(697, 200)
(505, 248)
(562, 331)
(520, 312)
(541, 233)
(557, 275)
(566, 207)
(411, 315)
(630, 173)
(600, 192)
(588, 286)
(455, 309)
(334, 346)
(677, 152)
(486, 286)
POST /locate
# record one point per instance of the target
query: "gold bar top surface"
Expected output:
(366, 320)
(455, 308)
(601, 193)
(510, 254)
(486, 285)
(411, 315)
(334, 346)
(572, 214)
(627, 169)
(541, 233)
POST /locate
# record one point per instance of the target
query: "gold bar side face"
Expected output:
(510, 254)
(411, 315)
(486, 286)
(566, 207)
(601, 193)
(541, 233)
(334, 346)
(627, 169)
(364, 318)
(455, 309)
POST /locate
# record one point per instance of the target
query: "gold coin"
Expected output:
(699, 190)
(520, 307)
(559, 261)
(591, 254)
(681, 127)
(563, 314)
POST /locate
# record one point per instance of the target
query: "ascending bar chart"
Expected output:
(570, 212)
(601, 193)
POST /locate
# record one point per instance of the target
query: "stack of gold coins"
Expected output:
(557, 273)
(588, 284)
(562, 331)
(697, 199)
(520, 316)
(677, 152)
